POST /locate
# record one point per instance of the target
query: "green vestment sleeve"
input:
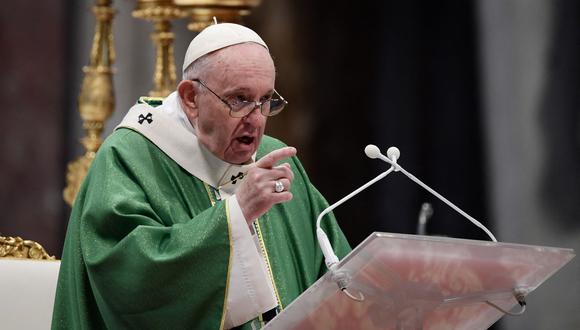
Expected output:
(142, 253)
(148, 247)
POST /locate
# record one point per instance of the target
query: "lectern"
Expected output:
(395, 281)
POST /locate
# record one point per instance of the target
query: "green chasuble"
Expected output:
(148, 244)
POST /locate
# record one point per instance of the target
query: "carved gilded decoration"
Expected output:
(16, 247)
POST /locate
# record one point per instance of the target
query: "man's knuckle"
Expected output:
(253, 175)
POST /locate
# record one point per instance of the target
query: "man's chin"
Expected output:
(240, 157)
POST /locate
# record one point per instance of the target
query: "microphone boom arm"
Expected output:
(330, 258)
(436, 194)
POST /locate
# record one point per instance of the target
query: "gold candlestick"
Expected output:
(96, 99)
(203, 11)
(160, 12)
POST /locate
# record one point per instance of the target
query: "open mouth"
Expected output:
(246, 139)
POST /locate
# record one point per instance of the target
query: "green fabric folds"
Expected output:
(146, 249)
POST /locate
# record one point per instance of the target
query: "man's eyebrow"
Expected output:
(242, 90)
(236, 90)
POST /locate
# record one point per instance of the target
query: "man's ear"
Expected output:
(187, 94)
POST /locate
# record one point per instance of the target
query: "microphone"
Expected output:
(372, 151)
(424, 215)
(330, 258)
(393, 155)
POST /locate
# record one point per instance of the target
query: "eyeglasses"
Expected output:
(239, 107)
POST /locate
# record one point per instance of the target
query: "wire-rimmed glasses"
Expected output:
(241, 108)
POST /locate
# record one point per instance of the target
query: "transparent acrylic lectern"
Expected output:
(422, 282)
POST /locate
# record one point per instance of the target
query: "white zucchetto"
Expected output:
(219, 36)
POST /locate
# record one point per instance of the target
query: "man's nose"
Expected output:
(255, 114)
(258, 105)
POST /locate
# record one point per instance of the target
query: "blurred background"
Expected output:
(481, 97)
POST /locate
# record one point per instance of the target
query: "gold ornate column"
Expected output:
(96, 99)
(203, 11)
(161, 12)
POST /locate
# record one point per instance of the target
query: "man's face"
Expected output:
(244, 71)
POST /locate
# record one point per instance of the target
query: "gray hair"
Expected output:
(198, 67)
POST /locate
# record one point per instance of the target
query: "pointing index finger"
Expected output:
(273, 157)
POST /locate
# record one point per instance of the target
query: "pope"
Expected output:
(191, 217)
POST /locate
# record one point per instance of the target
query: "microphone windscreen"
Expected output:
(393, 153)
(372, 151)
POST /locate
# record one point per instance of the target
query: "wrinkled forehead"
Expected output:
(244, 54)
(242, 60)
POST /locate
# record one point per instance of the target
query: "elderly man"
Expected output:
(188, 218)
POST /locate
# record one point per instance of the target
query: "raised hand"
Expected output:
(258, 192)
